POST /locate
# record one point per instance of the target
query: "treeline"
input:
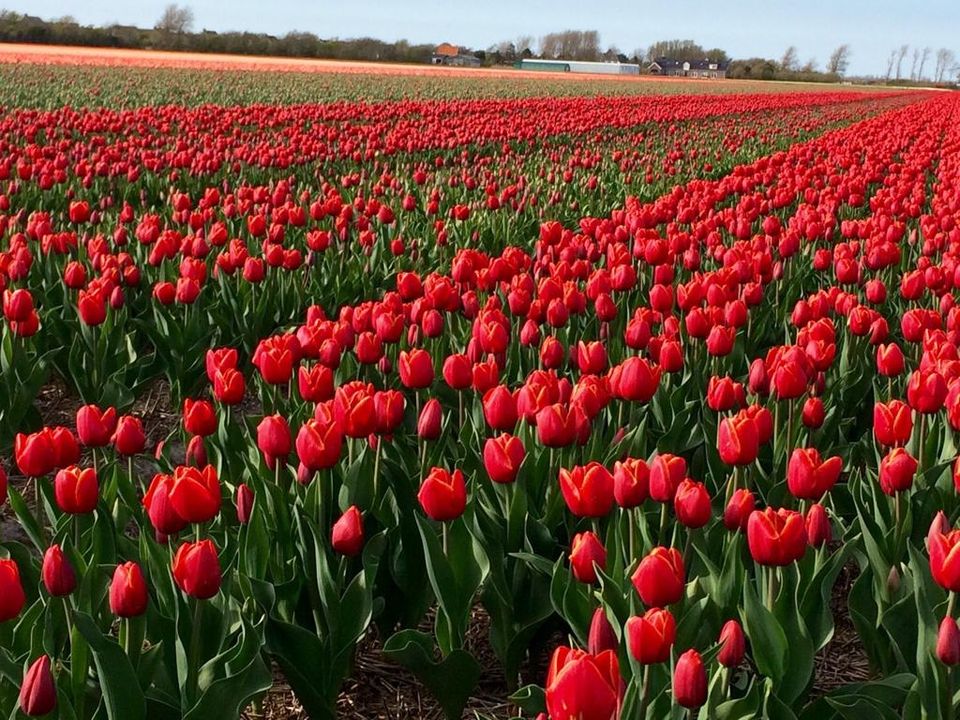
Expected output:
(18, 28)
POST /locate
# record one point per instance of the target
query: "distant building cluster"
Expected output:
(705, 68)
(451, 55)
(447, 54)
(579, 66)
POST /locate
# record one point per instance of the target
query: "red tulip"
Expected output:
(944, 549)
(315, 383)
(892, 423)
(95, 427)
(556, 425)
(587, 490)
(690, 680)
(199, 417)
(890, 361)
(457, 372)
(502, 457)
(354, 409)
(196, 569)
(813, 413)
(430, 422)
(129, 437)
(195, 494)
(159, 507)
(948, 642)
(635, 380)
(76, 490)
(808, 476)
(347, 534)
(388, 407)
(666, 473)
(581, 686)
(631, 482)
(128, 591)
(243, 500)
(586, 552)
(732, 644)
(896, 471)
(819, 532)
(500, 408)
(776, 537)
(38, 693)
(926, 391)
(273, 439)
(660, 577)
(12, 598)
(35, 453)
(319, 444)
(58, 576)
(737, 439)
(692, 504)
(229, 386)
(601, 636)
(651, 635)
(443, 495)
(738, 510)
(416, 369)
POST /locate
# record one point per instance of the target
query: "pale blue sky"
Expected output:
(743, 27)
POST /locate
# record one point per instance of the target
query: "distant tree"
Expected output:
(523, 42)
(913, 64)
(923, 61)
(810, 66)
(717, 55)
(901, 54)
(683, 50)
(571, 45)
(944, 58)
(790, 59)
(839, 60)
(891, 60)
(175, 19)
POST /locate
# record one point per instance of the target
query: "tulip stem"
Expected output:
(952, 597)
(376, 470)
(446, 540)
(194, 667)
(632, 529)
(772, 588)
(645, 691)
(920, 443)
(663, 523)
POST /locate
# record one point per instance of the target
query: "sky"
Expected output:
(744, 28)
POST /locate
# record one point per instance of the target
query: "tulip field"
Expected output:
(625, 399)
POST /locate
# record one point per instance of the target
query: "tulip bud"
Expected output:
(948, 642)
(586, 550)
(347, 534)
(738, 510)
(732, 644)
(38, 693)
(430, 421)
(244, 502)
(196, 569)
(690, 680)
(893, 580)
(818, 526)
(601, 637)
(128, 591)
(58, 575)
(12, 597)
(196, 455)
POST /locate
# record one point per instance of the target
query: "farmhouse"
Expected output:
(705, 68)
(447, 54)
(579, 66)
